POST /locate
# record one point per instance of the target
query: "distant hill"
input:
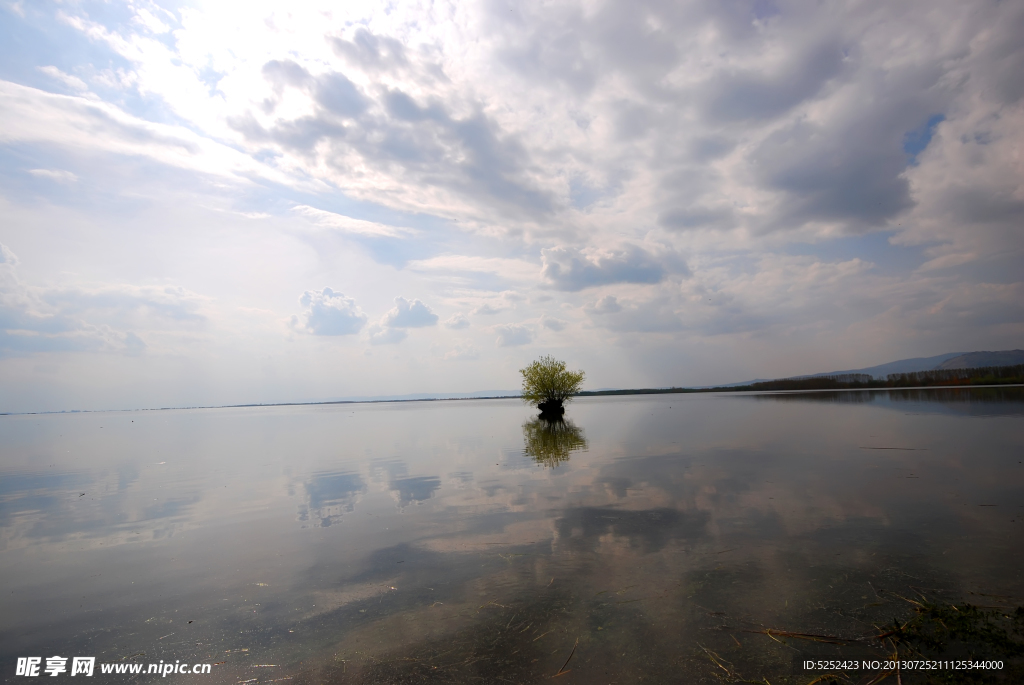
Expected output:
(951, 360)
(973, 360)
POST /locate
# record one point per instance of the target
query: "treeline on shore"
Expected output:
(988, 375)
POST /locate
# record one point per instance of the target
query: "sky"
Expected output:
(239, 202)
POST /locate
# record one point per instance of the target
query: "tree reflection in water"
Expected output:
(550, 440)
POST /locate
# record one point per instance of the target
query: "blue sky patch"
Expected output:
(915, 142)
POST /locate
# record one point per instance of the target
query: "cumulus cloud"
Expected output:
(409, 314)
(330, 313)
(457, 321)
(573, 269)
(512, 335)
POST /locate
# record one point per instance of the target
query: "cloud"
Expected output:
(72, 82)
(58, 175)
(127, 305)
(409, 314)
(512, 335)
(512, 269)
(553, 324)
(775, 292)
(487, 309)
(606, 305)
(133, 345)
(347, 224)
(331, 313)
(821, 177)
(572, 269)
(401, 144)
(768, 90)
(149, 21)
(97, 319)
(7, 257)
(32, 116)
(370, 52)
(825, 169)
(797, 120)
(391, 329)
(457, 321)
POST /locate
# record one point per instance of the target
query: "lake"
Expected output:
(661, 538)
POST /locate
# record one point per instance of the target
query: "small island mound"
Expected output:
(548, 385)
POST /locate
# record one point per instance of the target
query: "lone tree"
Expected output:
(548, 385)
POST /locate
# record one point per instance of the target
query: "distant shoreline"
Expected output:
(585, 393)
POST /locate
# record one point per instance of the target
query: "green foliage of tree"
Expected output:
(546, 380)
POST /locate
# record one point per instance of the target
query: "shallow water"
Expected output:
(657, 536)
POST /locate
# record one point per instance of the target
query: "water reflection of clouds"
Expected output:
(329, 496)
(404, 488)
(647, 530)
(417, 489)
(737, 500)
(105, 508)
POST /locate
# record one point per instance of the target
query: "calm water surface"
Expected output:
(467, 542)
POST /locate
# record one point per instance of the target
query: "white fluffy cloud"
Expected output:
(330, 313)
(409, 314)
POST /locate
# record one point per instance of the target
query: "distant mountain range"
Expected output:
(951, 360)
